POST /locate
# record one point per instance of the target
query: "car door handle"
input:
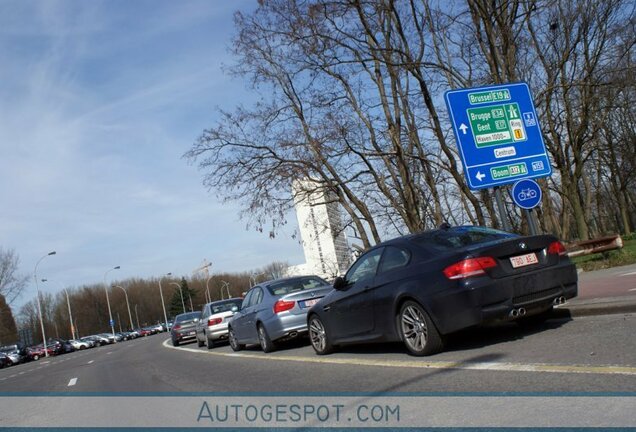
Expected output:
(326, 308)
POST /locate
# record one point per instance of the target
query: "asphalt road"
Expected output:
(586, 354)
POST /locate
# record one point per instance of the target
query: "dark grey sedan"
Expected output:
(275, 310)
(184, 327)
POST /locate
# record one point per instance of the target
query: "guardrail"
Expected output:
(587, 247)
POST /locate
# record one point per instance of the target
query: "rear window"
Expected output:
(294, 285)
(227, 306)
(188, 317)
(459, 237)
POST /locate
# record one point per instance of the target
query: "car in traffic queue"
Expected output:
(212, 327)
(79, 344)
(15, 353)
(5, 361)
(184, 327)
(38, 351)
(275, 311)
(421, 287)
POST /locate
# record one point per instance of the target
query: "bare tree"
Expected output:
(12, 283)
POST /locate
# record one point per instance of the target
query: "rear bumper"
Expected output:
(286, 326)
(483, 299)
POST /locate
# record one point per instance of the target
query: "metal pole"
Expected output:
(208, 299)
(191, 307)
(181, 291)
(502, 209)
(110, 314)
(35, 276)
(128, 306)
(163, 304)
(137, 316)
(119, 321)
(533, 226)
(70, 315)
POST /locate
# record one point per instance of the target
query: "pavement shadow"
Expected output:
(495, 333)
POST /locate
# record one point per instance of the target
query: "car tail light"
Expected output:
(177, 327)
(556, 248)
(469, 267)
(283, 305)
(214, 321)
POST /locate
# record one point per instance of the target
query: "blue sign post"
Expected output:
(498, 135)
(526, 194)
(111, 323)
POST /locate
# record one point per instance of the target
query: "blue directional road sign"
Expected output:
(111, 323)
(498, 134)
(526, 194)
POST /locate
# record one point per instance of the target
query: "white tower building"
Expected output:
(322, 232)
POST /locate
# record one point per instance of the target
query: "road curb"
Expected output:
(608, 306)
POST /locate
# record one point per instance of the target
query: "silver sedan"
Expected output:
(276, 310)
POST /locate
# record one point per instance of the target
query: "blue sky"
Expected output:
(98, 102)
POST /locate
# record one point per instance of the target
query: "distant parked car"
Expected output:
(418, 288)
(15, 352)
(212, 327)
(5, 360)
(89, 341)
(79, 344)
(184, 327)
(275, 310)
(37, 352)
(144, 332)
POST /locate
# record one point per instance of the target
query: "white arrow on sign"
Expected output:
(480, 176)
(463, 127)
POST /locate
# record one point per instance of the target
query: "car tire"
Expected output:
(319, 337)
(210, 343)
(417, 330)
(234, 343)
(36, 357)
(175, 342)
(266, 343)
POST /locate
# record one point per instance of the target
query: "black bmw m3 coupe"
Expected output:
(420, 287)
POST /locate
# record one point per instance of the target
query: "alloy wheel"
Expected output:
(414, 329)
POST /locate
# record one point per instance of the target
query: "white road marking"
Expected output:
(13, 376)
(21, 373)
(633, 289)
(109, 352)
(46, 362)
(72, 382)
(420, 364)
(91, 361)
(629, 274)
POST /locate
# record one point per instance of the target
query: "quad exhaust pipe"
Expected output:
(517, 313)
(559, 300)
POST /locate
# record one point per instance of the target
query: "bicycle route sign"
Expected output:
(526, 194)
(498, 134)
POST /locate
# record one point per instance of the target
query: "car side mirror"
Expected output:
(235, 308)
(339, 283)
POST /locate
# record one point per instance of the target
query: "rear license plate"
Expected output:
(191, 333)
(310, 303)
(524, 260)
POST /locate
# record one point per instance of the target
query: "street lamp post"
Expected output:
(208, 299)
(163, 304)
(128, 306)
(110, 314)
(225, 285)
(137, 316)
(68, 305)
(35, 276)
(180, 291)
